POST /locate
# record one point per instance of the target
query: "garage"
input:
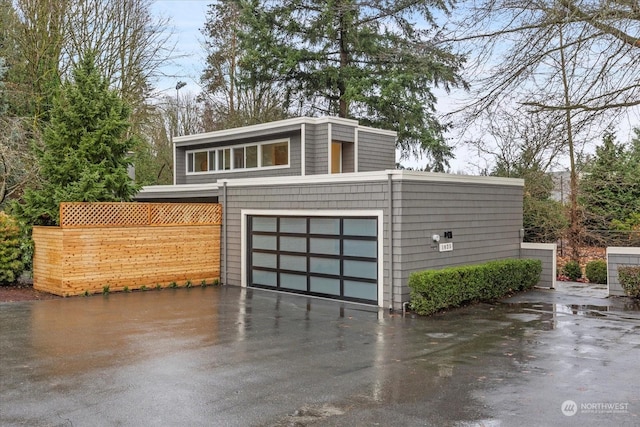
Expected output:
(327, 256)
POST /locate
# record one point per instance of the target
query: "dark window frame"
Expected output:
(308, 274)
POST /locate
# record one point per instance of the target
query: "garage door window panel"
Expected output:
(324, 256)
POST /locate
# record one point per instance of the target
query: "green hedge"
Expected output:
(435, 290)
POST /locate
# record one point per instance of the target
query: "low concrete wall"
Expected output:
(616, 257)
(547, 253)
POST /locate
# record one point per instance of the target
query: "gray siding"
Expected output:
(294, 168)
(343, 196)
(348, 159)
(623, 256)
(548, 258)
(342, 133)
(485, 221)
(317, 150)
(376, 152)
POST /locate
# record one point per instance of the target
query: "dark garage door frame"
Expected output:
(323, 253)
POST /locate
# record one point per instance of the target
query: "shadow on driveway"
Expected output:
(230, 357)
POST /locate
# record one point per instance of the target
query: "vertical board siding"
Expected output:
(72, 261)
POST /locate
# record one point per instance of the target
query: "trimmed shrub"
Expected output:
(435, 290)
(629, 277)
(596, 271)
(572, 270)
(11, 263)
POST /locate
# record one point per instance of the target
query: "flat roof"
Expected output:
(277, 126)
(190, 190)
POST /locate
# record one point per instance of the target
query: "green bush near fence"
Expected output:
(435, 290)
(629, 277)
(596, 271)
(572, 270)
(11, 263)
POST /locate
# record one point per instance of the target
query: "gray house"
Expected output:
(314, 206)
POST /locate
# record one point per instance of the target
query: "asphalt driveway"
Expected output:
(229, 357)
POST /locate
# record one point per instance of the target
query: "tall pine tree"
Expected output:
(375, 61)
(85, 155)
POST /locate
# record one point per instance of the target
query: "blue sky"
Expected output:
(186, 17)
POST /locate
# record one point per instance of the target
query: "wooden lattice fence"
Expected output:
(137, 214)
(127, 246)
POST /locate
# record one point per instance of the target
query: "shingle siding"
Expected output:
(485, 221)
(342, 133)
(617, 257)
(294, 168)
(545, 252)
(375, 151)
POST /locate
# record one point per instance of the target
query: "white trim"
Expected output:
(329, 153)
(179, 188)
(232, 148)
(616, 250)
(355, 149)
(397, 175)
(546, 247)
(303, 149)
(244, 213)
(175, 155)
(273, 126)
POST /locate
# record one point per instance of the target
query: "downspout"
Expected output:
(390, 236)
(224, 231)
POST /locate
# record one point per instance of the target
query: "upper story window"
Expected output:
(252, 156)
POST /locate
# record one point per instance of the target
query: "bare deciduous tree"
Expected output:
(576, 58)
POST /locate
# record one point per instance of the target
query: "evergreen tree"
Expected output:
(85, 156)
(374, 61)
(610, 187)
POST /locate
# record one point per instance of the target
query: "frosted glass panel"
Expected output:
(325, 246)
(293, 225)
(293, 244)
(264, 242)
(360, 290)
(293, 281)
(252, 156)
(290, 262)
(360, 227)
(267, 278)
(364, 248)
(264, 260)
(325, 225)
(325, 266)
(363, 269)
(325, 286)
(264, 223)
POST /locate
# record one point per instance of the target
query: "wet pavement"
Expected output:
(230, 357)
